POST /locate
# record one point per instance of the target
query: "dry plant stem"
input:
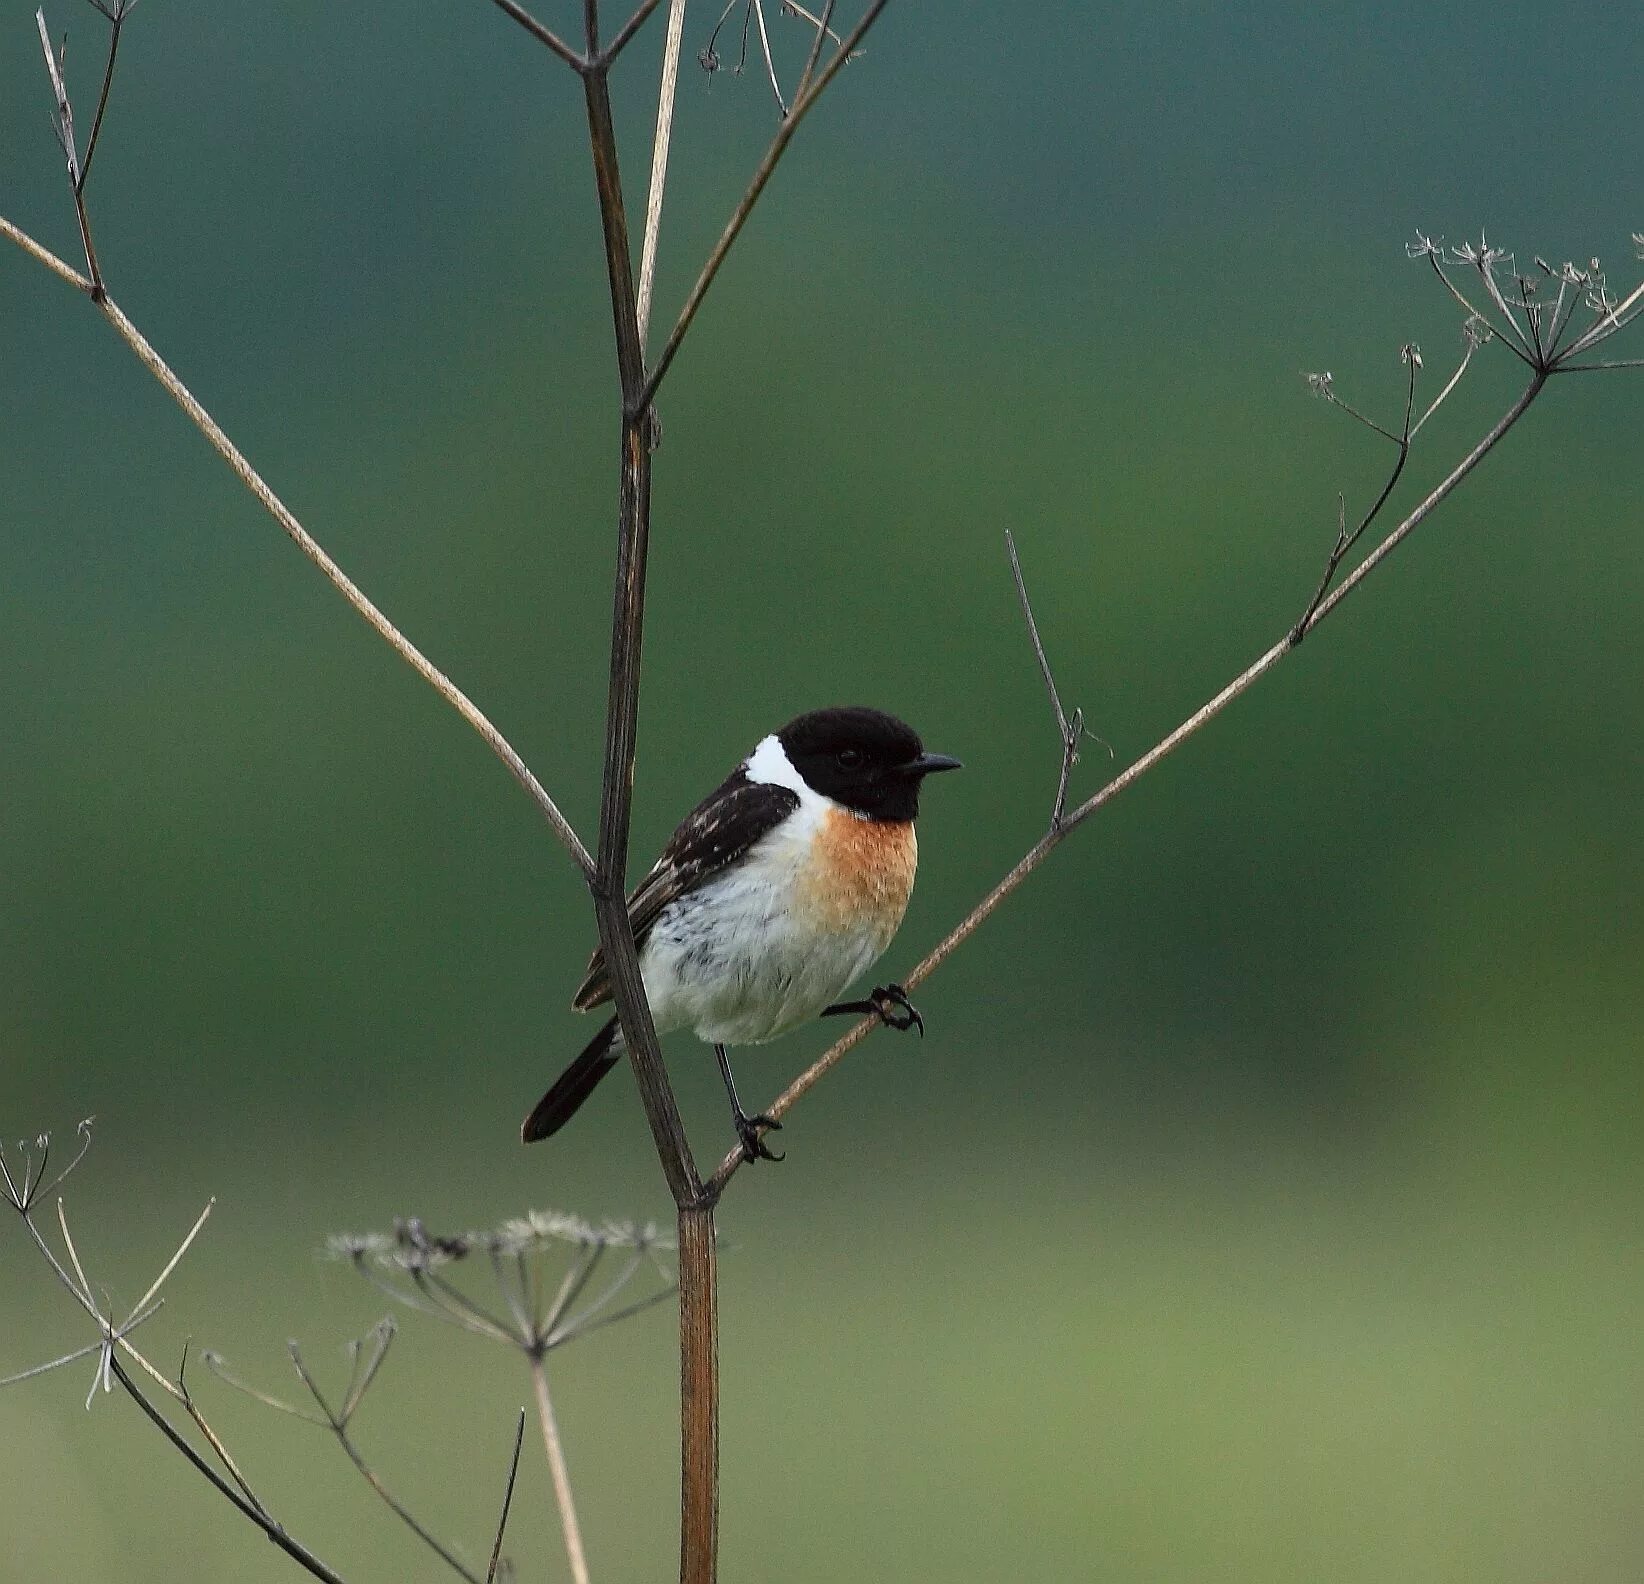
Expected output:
(659, 162)
(625, 33)
(739, 217)
(542, 34)
(1126, 778)
(555, 1453)
(310, 547)
(823, 31)
(699, 1402)
(295, 1549)
(699, 1472)
(1068, 729)
(1345, 540)
(609, 884)
(117, 21)
(337, 1423)
(507, 1501)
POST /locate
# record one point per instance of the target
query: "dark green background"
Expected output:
(1264, 1203)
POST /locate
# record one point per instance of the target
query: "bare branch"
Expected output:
(555, 1453)
(507, 1500)
(337, 1422)
(117, 21)
(99, 1346)
(1068, 728)
(625, 34)
(1167, 745)
(43, 255)
(292, 1547)
(218, 1366)
(544, 35)
(1345, 540)
(65, 137)
(659, 163)
(182, 1249)
(316, 553)
(823, 31)
(765, 50)
(744, 208)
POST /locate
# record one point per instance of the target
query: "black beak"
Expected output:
(929, 764)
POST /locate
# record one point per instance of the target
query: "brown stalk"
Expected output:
(1200, 718)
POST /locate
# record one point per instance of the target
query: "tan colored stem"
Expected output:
(310, 547)
(555, 1452)
(1200, 718)
(659, 163)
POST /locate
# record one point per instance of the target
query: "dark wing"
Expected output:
(717, 832)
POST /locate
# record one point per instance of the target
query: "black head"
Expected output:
(863, 758)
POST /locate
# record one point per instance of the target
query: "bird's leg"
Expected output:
(888, 1003)
(747, 1127)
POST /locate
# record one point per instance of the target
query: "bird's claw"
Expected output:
(753, 1143)
(895, 1010)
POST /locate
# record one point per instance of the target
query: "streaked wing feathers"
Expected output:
(717, 832)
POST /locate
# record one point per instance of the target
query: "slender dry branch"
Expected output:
(543, 34)
(659, 163)
(1200, 718)
(739, 216)
(699, 1466)
(609, 883)
(293, 1548)
(823, 31)
(114, 1339)
(1344, 540)
(624, 35)
(554, 1450)
(65, 138)
(337, 1421)
(507, 1500)
(1069, 728)
(310, 547)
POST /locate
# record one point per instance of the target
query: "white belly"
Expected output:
(729, 964)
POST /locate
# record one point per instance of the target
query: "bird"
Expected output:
(778, 890)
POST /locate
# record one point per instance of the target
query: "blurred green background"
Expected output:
(1264, 1203)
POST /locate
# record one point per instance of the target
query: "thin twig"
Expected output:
(1200, 718)
(624, 35)
(1344, 540)
(507, 1500)
(1068, 729)
(295, 1549)
(65, 137)
(182, 1249)
(823, 31)
(544, 35)
(213, 1440)
(659, 162)
(117, 21)
(1473, 344)
(338, 1425)
(765, 50)
(43, 255)
(555, 1453)
(739, 216)
(310, 547)
(98, 1346)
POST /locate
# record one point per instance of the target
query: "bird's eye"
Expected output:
(850, 758)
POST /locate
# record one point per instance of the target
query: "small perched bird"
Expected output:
(774, 893)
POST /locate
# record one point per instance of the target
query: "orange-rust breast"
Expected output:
(861, 875)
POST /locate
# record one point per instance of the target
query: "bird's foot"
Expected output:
(753, 1143)
(895, 1010)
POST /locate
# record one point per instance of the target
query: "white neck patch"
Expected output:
(770, 764)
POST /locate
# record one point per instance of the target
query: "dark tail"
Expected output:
(575, 1084)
